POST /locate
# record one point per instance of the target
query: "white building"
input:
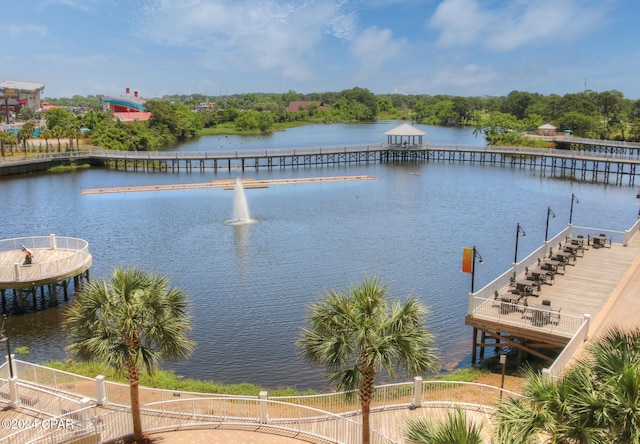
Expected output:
(16, 95)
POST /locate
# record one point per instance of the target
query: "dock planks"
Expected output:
(226, 184)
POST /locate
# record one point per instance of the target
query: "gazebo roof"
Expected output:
(405, 130)
(547, 126)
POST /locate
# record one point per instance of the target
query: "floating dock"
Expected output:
(227, 184)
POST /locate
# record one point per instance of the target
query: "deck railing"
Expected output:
(569, 351)
(38, 269)
(516, 315)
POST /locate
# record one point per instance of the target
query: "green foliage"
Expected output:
(596, 401)
(455, 430)
(23, 350)
(168, 380)
(58, 117)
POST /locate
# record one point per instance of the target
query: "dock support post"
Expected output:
(474, 345)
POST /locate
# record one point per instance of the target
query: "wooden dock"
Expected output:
(585, 289)
(56, 261)
(225, 184)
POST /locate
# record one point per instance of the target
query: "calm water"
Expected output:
(250, 285)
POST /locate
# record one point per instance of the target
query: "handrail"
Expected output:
(39, 268)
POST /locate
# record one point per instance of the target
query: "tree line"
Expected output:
(501, 119)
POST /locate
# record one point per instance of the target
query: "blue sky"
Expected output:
(219, 47)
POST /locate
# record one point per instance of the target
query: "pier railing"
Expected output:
(39, 269)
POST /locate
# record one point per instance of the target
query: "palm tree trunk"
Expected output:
(366, 395)
(134, 381)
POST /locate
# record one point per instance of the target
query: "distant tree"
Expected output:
(6, 138)
(582, 125)
(26, 133)
(58, 117)
(368, 101)
(45, 134)
(57, 132)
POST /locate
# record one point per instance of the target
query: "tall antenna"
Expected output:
(585, 83)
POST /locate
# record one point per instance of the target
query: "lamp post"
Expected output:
(5, 339)
(503, 362)
(519, 230)
(573, 199)
(549, 213)
(473, 267)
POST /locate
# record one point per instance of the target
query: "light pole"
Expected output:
(503, 362)
(473, 267)
(549, 213)
(573, 199)
(4, 338)
(519, 230)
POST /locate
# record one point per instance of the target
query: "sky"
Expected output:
(222, 47)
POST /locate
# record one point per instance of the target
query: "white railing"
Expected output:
(201, 412)
(81, 423)
(39, 269)
(56, 380)
(564, 358)
(170, 409)
(510, 314)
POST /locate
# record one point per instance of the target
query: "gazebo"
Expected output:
(547, 130)
(404, 136)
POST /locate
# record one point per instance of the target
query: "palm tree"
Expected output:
(455, 430)
(131, 322)
(596, 401)
(358, 332)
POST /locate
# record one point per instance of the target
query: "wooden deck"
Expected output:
(50, 266)
(584, 289)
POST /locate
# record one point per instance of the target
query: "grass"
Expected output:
(64, 168)
(168, 380)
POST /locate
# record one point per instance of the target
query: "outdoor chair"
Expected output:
(554, 316)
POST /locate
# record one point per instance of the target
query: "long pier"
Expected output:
(620, 168)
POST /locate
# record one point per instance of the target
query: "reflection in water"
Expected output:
(241, 242)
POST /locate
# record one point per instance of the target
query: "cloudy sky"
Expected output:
(219, 47)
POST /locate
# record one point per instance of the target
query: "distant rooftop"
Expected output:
(22, 86)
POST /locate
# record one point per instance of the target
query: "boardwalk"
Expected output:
(585, 288)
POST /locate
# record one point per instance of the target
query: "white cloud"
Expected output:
(274, 34)
(24, 28)
(506, 26)
(374, 47)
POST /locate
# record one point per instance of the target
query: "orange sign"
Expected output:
(467, 260)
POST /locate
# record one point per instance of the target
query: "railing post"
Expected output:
(264, 415)
(472, 304)
(101, 391)
(14, 397)
(16, 272)
(52, 241)
(85, 414)
(417, 393)
(587, 319)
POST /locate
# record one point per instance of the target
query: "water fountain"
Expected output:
(240, 207)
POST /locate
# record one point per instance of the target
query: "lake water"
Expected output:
(250, 285)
